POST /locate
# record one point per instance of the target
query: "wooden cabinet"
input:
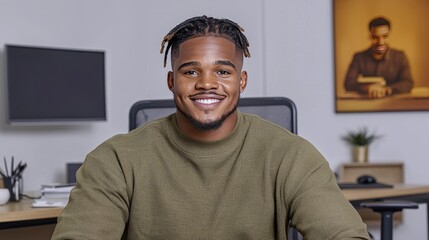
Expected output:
(389, 173)
(41, 232)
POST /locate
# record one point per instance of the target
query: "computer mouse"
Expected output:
(366, 179)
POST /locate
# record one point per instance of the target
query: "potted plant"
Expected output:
(360, 140)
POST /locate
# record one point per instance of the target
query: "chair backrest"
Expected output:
(279, 110)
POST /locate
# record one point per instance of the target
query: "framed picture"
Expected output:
(381, 55)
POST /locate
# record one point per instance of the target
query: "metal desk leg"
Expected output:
(427, 218)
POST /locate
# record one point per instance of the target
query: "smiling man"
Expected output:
(208, 171)
(379, 71)
(206, 81)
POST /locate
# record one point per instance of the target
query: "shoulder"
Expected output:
(136, 138)
(270, 133)
(285, 149)
(396, 52)
(295, 155)
(362, 54)
(257, 123)
(397, 56)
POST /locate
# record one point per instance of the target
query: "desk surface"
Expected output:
(399, 190)
(417, 100)
(22, 211)
(382, 104)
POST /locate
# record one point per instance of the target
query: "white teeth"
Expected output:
(207, 101)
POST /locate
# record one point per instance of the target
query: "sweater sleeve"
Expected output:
(317, 207)
(98, 205)
(353, 72)
(404, 81)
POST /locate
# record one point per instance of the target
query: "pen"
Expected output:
(21, 169)
(17, 168)
(11, 167)
(5, 166)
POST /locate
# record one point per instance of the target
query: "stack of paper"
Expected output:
(54, 195)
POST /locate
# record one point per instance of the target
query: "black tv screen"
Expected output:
(55, 85)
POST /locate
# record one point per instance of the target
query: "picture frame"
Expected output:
(367, 89)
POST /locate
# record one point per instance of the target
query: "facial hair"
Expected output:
(213, 125)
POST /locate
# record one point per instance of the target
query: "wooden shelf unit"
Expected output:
(390, 173)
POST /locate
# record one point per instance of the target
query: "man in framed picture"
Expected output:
(380, 70)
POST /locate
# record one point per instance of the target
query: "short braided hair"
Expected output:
(205, 26)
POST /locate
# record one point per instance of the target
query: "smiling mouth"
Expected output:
(207, 98)
(207, 101)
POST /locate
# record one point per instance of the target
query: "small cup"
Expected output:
(4, 195)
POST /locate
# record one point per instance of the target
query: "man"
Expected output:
(208, 171)
(389, 65)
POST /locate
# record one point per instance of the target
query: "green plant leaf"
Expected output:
(360, 137)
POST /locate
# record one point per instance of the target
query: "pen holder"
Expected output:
(14, 184)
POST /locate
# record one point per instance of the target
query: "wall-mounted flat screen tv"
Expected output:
(53, 85)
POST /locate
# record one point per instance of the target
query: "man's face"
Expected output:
(206, 81)
(379, 37)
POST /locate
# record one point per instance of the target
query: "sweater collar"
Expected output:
(386, 55)
(206, 149)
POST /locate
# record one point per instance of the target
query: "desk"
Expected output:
(414, 193)
(21, 214)
(417, 100)
(382, 104)
(399, 191)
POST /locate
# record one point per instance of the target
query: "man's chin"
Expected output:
(207, 125)
(378, 54)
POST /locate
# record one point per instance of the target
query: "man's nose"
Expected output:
(207, 81)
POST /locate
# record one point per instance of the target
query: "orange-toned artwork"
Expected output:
(381, 55)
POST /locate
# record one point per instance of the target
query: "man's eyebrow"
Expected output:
(188, 64)
(225, 62)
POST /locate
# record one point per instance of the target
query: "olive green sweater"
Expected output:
(155, 183)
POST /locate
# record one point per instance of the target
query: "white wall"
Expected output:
(131, 33)
(299, 57)
(292, 55)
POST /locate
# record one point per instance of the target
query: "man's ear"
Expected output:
(243, 81)
(170, 81)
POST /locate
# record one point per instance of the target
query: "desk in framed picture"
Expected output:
(381, 55)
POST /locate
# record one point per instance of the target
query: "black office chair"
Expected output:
(387, 209)
(279, 110)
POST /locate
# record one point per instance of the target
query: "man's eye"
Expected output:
(222, 72)
(191, 72)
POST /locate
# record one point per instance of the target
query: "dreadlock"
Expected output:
(205, 26)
